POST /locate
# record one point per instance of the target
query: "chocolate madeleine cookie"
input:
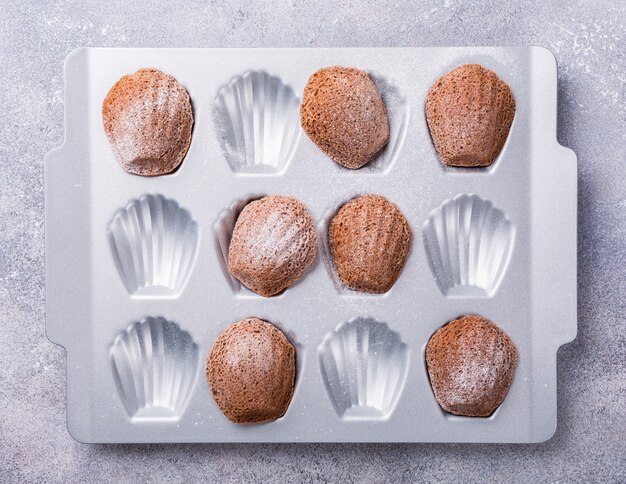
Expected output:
(469, 113)
(369, 242)
(274, 242)
(148, 120)
(344, 115)
(471, 363)
(251, 371)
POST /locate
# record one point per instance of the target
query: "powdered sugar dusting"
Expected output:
(148, 120)
(274, 242)
(470, 363)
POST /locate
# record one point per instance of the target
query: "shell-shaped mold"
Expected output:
(468, 243)
(364, 366)
(398, 114)
(257, 122)
(223, 231)
(153, 241)
(154, 364)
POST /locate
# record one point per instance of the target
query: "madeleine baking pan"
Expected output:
(137, 325)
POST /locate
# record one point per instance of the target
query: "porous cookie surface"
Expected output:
(369, 241)
(469, 113)
(471, 363)
(251, 371)
(148, 120)
(344, 115)
(274, 242)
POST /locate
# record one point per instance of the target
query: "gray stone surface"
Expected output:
(588, 39)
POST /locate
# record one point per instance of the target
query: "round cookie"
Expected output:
(274, 242)
(471, 363)
(469, 113)
(343, 113)
(148, 120)
(251, 372)
(369, 242)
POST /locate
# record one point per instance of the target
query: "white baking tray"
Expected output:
(89, 307)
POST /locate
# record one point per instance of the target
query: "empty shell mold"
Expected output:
(364, 366)
(137, 281)
(258, 125)
(153, 241)
(469, 243)
(155, 365)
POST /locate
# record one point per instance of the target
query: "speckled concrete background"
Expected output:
(589, 41)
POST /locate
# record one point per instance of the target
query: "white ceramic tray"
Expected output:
(92, 303)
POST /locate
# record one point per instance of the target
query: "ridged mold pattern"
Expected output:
(154, 242)
(155, 365)
(364, 366)
(223, 232)
(398, 114)
(327, 258)
(258, 124)
(469, 243)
